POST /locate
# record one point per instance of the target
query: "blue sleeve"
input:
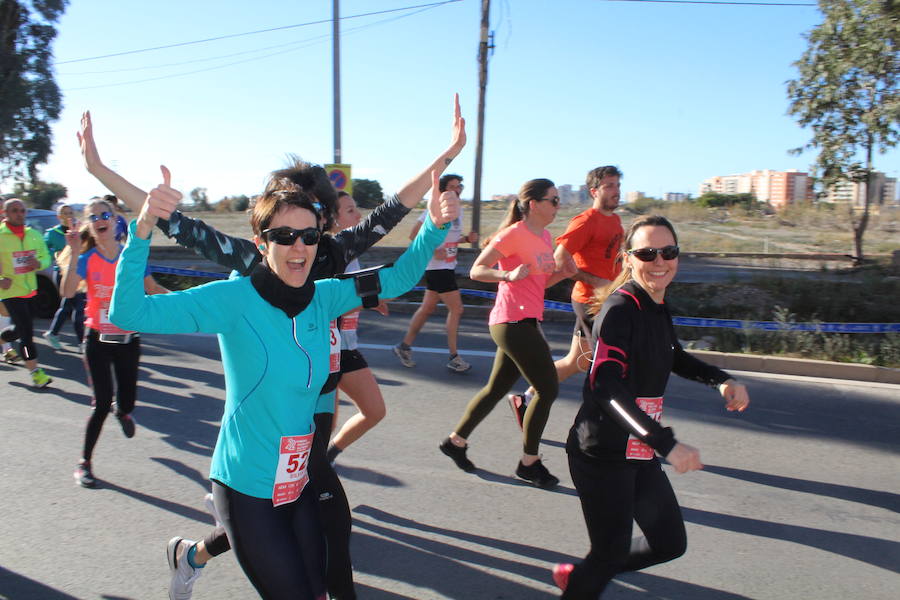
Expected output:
(81, 268)
(340, 295)
(208, 308)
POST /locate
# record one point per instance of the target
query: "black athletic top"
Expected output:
(622, 397)
(333, 253)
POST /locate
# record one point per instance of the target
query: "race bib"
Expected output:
(350, 322)
(334, 356)
(451, 248)
(21, 260)
(637, 449)
(291, 476)
(105, 326)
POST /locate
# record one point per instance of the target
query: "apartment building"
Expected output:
(778, 188)
(855, 192)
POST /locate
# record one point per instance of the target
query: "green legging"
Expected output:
(521, 350)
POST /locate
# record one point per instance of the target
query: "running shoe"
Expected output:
(53, 340)
(81, 348)
(537, 475)
(181, 586)
(210, 504)
(11, 356)
(128, 425)
(83, 475)
(458, 455)
(458, 364)
(39, 378)
(561, 574)
(405, 356)
(518, 406)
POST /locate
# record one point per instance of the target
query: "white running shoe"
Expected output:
(405, 356)
(181, 587)
(210, 504)
(458, 364)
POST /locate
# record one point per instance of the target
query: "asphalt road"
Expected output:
(799, 499)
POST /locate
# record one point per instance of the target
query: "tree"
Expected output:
(29, 97)
(199, 198)
(847, 92)
(39, 194)
(367, 193)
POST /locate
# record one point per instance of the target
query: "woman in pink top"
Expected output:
(523, 250)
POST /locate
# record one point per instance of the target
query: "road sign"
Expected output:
(340, 177)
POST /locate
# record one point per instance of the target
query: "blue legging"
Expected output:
(73, 307)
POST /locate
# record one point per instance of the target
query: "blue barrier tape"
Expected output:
(683, 321)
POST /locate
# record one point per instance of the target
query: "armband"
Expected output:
(367, 282)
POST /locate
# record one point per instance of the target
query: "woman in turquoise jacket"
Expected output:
(274, 335)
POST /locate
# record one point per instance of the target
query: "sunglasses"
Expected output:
(286, 236)
(649, 254)
(554, 200)
(104, 216)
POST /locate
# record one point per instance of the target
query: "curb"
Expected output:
(738, 362)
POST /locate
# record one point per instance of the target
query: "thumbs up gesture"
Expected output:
(444, 206)
(160, 203)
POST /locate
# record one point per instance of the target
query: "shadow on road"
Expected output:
(15, 586)
(875, 498)
(364, 475)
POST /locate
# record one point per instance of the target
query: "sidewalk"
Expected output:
(738, 362)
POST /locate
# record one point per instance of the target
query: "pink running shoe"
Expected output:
(561, 574)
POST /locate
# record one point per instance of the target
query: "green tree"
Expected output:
(367, 193)
(239, 203)
(39, 194)
(847, 93)
(199, 198)
(29, 97)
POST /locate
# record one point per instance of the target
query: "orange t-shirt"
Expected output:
(593, 239)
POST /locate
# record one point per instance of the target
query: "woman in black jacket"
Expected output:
(614, 445)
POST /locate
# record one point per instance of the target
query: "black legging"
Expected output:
(613, 494)
(333, 508)
(102, 360)
(280, 548)
(21, 313)
(521, 351)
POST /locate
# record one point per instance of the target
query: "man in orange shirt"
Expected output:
(592, 241)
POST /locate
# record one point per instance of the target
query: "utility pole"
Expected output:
(483, 47)
(336, 59)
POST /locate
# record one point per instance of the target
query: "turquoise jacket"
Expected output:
(274, 366)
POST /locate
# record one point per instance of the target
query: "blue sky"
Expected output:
(671, 93)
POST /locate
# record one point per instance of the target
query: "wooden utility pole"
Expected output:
(483, 47)
(336, 59)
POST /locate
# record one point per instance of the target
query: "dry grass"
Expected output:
(699, 229)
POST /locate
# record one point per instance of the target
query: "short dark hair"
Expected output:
(445, 179)
(595, 175)
(279, 194)
(313, 180)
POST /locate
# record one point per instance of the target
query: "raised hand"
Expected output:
(160, 202)
(88, 146)
(458, 138)
(443, 207)
(73, 240)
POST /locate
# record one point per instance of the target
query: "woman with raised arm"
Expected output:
(333, 254)
(111, 355)
(614, 443)
(523, 250)
(274, 336)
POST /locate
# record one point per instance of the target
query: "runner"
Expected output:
(22, 253)
(55, 238)
(111, 354)
(614, 443)
(440, 280)
(186, 557)
(357, 379)
(272, 379)
(523, 249)
(592, 240)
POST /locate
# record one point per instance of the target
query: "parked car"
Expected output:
(47, 300)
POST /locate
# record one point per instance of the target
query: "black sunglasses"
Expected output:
(286, 236)
(649, 254)
(554, 200)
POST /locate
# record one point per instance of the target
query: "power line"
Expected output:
(234, 35)
(300, 44)
(724, 3)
